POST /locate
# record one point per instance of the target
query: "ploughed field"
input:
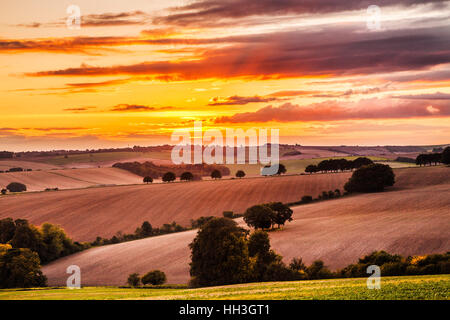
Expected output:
(69, 178)
(413, 218)
(88, 213)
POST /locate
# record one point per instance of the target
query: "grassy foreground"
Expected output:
(410, 287)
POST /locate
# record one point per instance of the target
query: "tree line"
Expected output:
(424, 159)
(336, 165)
(223, 253)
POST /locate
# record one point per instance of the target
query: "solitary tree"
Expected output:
(259, 216)
(219, 254)
(186, 176)
(169, 177)
(155, 277)
(371, 178)
(282, 213)
(148, 179)
(16, 187)
(216, 174)
(240, 174)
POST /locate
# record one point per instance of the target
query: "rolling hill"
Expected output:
(69, 178)
(410, 219)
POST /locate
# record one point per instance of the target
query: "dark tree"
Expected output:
(148, 179)
(446, 156)
(311, 169)
(216, 174)
(240, 174)
(186, 176)
(361, 161)
(7, 230)
(307, 199)
(281, 169)
(155, 277)
(219, 254)
(169, 177)
(259, 216)
(146, 230)
(27, 236)
(282, 213)
(258, 243)
(228, 214)
(16, 187)
(4, 191)
(20, 268)
(371, 178)
(133, 280)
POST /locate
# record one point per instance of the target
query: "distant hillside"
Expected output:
(156, 171)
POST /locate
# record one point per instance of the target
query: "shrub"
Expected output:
(216, 174)
(240, 174)
(133, 280)
(186, 176)
(371, 178)
(393, 269)
(16, 187)
(228, 214)
(146, 230)
(318, 271)
(169, 177)
(259, 216)
(155, 277)
(148, 179)
(4, 191)
(307, 199)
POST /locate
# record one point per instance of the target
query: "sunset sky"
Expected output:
(137, 70)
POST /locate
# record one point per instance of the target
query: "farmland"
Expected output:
(410, 219)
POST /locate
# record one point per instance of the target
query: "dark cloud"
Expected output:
(214, 11)
(430, 96)
(136, 108)
(98, 20)
(237, 100)
(335, 111)
(344, 51)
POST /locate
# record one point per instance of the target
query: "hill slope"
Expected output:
(88, 213)
(69, 178)
(406, 220)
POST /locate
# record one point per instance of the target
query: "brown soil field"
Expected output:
(91, 212)
(8, 164)
(88, 213)
(69, 178)
(411, 219)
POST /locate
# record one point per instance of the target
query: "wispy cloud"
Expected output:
(238, 100)
(335, 111)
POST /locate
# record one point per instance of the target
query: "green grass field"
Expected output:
(436, 287)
